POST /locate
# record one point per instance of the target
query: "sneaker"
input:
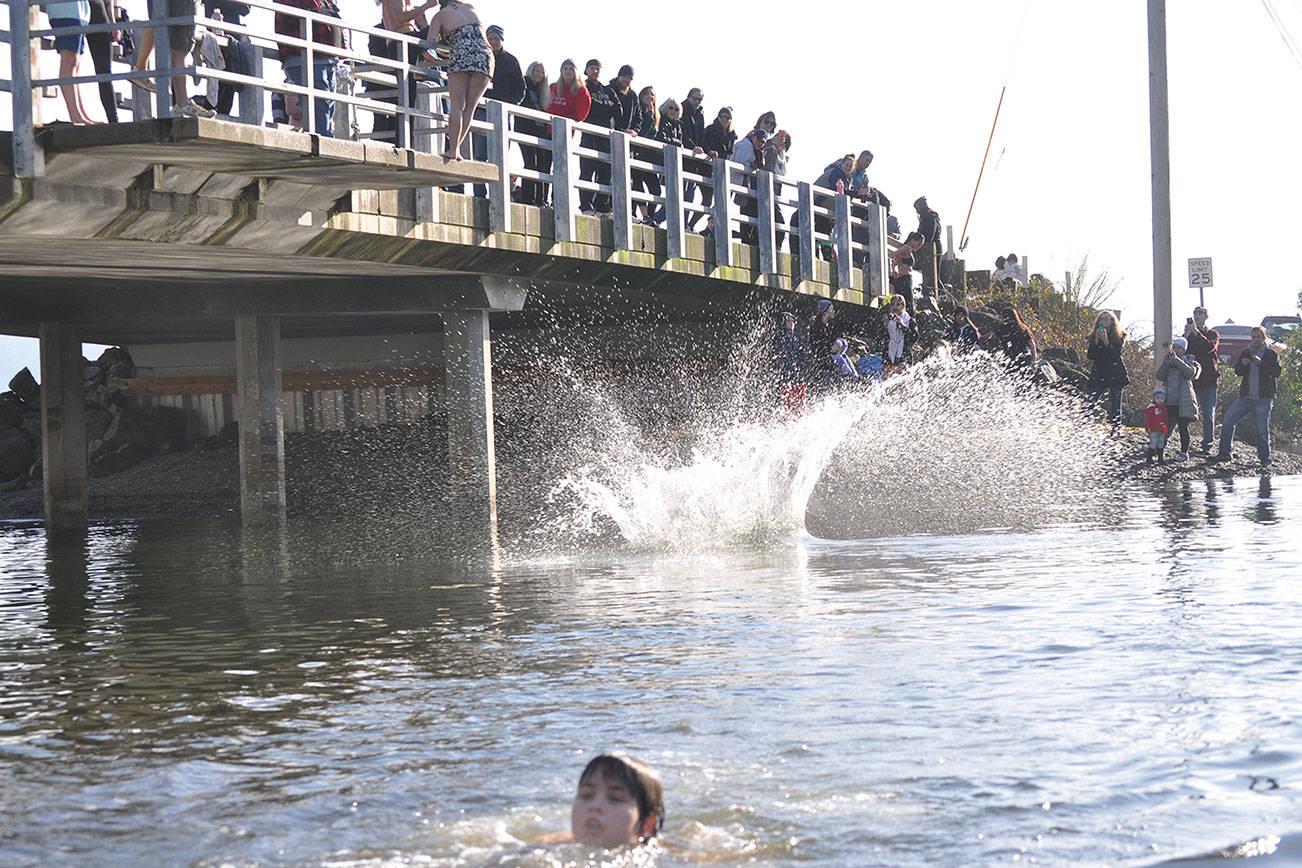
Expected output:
(1218, 458)
(193, 110)
(146, 83)
(1183, 456)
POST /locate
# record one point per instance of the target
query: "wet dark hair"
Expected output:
(914, 236)
(635, 776)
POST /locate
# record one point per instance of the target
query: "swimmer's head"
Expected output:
(619, 802)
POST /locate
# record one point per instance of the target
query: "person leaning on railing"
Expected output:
(508, 86)
(717, 141)
(323, 64)
(569, 98)
(641, 179)
(601, 113)
(537, 96)
(774, 159)
(693, 143)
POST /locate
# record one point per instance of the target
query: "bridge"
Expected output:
(175, 230)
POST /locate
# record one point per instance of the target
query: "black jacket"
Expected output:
(627, 110)
(602, 113)
(929, 226)
(508, 80)
(670, 132)
(693, 128)
(719, 140)
(1269, 371)
(1109, 370)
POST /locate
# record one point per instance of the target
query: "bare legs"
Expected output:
(71, 93)
(465, 90)
(178, 81)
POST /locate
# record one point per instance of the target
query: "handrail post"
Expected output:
(844, 252)
(404, 124)
(876, 282)
(722, 214)
(563, 199)
(163, 60)
(767, 239)
(621, 190)
(309, 78)
(29, 158)
(499, 194)
(674, 202)
(427, 198)
(252, 110)
(805, 204)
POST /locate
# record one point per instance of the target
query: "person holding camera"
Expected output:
(1178, 372)
(1109, 371)
(1259, 367)
(1204, 345)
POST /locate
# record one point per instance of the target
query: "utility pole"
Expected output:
(1160, 145)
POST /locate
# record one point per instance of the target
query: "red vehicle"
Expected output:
(1234, 340)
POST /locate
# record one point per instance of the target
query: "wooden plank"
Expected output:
(158, 386)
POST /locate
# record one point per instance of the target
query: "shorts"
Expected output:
(73, 42)
(181, 36)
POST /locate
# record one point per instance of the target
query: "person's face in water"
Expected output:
(604, 814)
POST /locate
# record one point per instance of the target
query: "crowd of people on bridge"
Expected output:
(474, 61)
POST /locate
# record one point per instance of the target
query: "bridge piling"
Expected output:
(63, 431)
(472, 459)
(262, 423)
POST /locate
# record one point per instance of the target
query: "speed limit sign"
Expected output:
(1200, 273)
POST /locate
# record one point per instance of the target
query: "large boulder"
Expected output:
(127, 428)
(113, 356)
(172, 425)
(31, 425)
(98, 420)
(17, 452)
(24, 385)
(11, 409)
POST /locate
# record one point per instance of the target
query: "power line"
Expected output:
(1289, 44)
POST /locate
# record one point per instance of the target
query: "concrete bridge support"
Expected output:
(468, 363)
(63, 431)
(262, 421)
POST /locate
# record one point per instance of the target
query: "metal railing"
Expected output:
(756, 206)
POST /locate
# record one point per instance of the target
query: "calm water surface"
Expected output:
(1118, 692)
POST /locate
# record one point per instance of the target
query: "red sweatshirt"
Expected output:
(570, 105)
(1156, 419)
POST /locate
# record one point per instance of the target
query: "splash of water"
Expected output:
(951, 446)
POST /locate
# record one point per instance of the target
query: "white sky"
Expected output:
(917, 83)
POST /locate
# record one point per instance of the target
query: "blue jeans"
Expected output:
(1207, 407)
(1259, 409)
(323, 78)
